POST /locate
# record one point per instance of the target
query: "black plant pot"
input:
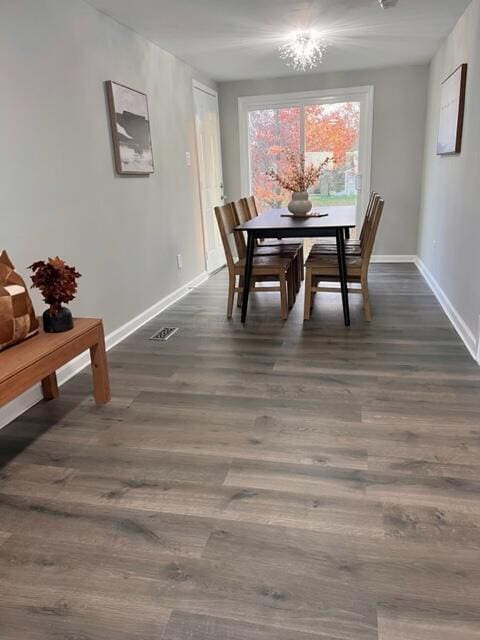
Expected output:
(61, 321)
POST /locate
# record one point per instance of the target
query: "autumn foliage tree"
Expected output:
(330, 130)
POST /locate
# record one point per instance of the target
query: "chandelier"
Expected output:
(303, 51)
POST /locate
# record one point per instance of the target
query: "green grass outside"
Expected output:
(328, 201)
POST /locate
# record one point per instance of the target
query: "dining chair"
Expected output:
(265, 268)
(252, 210)
(251, 206)
(324, 268)
(328, 246)
(290, 251)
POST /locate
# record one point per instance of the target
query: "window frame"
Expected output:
(365, 95)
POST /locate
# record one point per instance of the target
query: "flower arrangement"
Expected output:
(56, 281)
(299, 176)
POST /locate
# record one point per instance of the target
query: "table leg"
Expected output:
(248, 273)
(101, 385)
(342, 269)
(347, 233)
(50, 387)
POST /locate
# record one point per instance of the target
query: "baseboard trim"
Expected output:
(132, 325)
(14, 409)
(392, 258)
(455, 318)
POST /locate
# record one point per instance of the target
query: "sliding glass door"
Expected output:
(332, 134)
(334, 126)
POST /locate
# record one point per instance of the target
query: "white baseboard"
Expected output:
(132, 325)
(455, 318)
(392, 258)
(13, 409)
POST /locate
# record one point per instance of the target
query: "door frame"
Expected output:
(200, 86)
(364, 94)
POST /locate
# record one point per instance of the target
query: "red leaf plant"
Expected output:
(298, 175)
(56, 281)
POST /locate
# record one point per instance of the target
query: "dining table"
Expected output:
(279, 223)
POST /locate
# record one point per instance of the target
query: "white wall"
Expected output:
(398, 140)
(59, 193)
(449, 228)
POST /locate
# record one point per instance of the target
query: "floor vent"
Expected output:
(164, 334)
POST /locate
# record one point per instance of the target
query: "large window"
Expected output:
(336, 126)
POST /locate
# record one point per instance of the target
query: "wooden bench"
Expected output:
(37, 359)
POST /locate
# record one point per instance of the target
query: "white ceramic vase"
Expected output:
(300, 205)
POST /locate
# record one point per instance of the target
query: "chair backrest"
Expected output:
(227, 221)
(240, 210)
(366, 220)
(251, 206)
(369, 242)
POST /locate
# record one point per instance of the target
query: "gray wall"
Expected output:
(450, 216)
(59, 193)
(398, 139)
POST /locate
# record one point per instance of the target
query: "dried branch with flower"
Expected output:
(299, 176)
(56, 281)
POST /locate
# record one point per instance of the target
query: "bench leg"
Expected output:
(50, 387)
(101, 384)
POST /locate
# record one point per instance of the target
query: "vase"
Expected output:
(58, 322)
(300, 204)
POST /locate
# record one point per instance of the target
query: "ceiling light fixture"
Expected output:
(387, 4)
(303, 51)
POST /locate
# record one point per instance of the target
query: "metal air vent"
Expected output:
(164, 333)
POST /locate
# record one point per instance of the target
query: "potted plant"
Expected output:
(57, 282)
(298, 178)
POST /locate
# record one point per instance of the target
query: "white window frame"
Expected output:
(365, 95)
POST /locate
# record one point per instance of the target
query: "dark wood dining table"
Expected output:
(277, 223)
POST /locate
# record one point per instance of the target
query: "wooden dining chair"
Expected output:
(265, 268)
(250, 205)
(324, 268)
(328, 246)
(290, 251)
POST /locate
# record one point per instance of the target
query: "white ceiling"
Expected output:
(238, 39)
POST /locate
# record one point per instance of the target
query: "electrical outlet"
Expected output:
(188, 158)
(179, 260)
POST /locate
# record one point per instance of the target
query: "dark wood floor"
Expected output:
(277, 481)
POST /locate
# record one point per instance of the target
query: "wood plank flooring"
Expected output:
(274, 481)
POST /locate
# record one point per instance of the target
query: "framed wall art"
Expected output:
(452, 107)
(130, 123)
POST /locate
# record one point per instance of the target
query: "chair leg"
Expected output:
(291, 286)
(240, 294)
(366, 302)
(231, 295)
(283, 296)
(296, 266)
(308, 295)
(301, 262)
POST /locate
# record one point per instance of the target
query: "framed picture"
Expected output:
(452, 107)
(130, 124)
